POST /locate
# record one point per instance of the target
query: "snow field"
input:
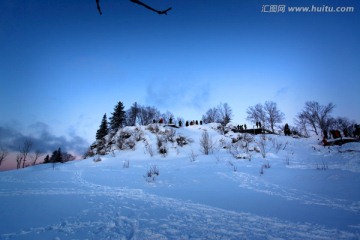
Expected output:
(214, 197)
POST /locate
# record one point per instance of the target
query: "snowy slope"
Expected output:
(309, 192)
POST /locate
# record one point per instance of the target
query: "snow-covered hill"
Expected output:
(248, 187)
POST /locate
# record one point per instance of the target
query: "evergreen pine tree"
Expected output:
(118, 117)
(47, 159)
(53, 156)
(56, 156)
(60, 156)
(103, 129)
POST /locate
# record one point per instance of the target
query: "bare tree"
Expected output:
(273, 114)
(18, 160)
(268, 114)
(317, 115)
(212, 115)
(25, 150)
(220, 114)
(132, 114)
(225, 113)
(256, 114)
(343, 124)
(140, 3)
(206, 143)
(301, 123)
(146, 115)
(35, 157)
(3, 155)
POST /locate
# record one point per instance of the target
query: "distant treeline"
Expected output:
(313, 118)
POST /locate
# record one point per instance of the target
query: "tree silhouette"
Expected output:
(316, 115)
(25, 150)
(3, 155)
(117, 119)
(140, 3)
(103, 129)
(56, 156)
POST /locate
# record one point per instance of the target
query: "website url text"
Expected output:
(309, 9)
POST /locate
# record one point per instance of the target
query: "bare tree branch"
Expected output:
(140, 3)
(36, 156)
(25, 150)
(18, 160)
(150, 8)
(98, 6)
(317, 115)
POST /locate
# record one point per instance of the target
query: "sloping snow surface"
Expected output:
(277, 188)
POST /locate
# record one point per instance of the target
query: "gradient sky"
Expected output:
(62, 65)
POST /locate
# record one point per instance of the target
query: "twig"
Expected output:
(140, 3)
(98, 6)
(150, 8)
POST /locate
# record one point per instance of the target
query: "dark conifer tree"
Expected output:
(60, 156)
(53, 157)
(56, 156)
(103, 129)
(47, 159)
(118, 117)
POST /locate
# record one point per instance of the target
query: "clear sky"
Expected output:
(62, 65)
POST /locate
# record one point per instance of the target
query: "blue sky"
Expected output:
(62, 65)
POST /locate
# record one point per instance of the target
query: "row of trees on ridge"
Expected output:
(314, 117)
